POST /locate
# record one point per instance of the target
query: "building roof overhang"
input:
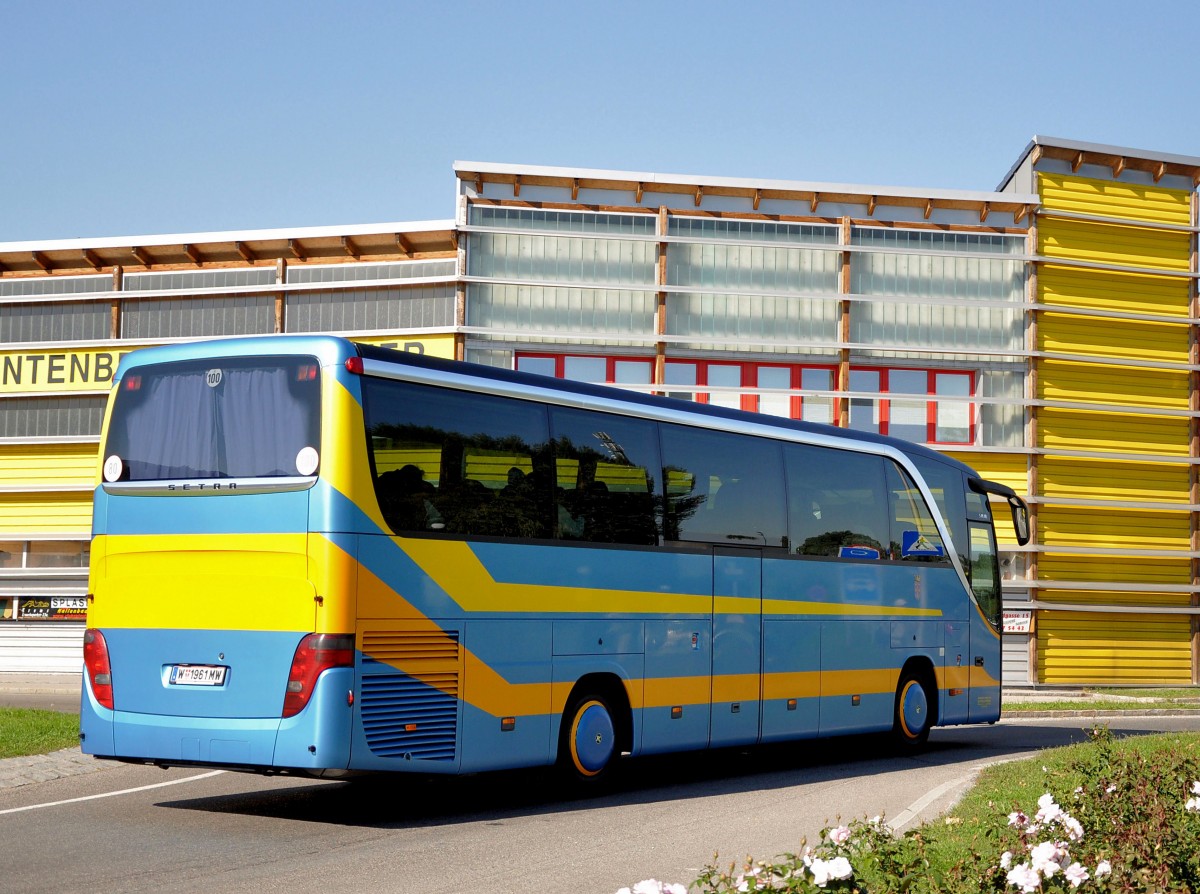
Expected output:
(1118, 158)
(408, 240)
(698, 187)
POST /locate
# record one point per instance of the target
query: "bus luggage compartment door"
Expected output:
(737, 646)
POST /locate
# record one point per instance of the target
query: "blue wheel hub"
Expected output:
(914, 709)
(592, 739)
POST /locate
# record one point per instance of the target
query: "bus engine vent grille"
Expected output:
(410, 709)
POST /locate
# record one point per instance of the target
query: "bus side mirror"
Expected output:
(1020, 517)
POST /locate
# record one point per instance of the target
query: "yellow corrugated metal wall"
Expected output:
(46, 489)
(1148, 461)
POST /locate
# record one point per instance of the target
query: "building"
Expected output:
(1044, 332)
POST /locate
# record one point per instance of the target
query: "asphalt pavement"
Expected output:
(60, 692)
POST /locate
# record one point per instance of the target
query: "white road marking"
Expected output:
(127, 791)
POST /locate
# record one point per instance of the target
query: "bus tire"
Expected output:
(587, 741)
(915, 708)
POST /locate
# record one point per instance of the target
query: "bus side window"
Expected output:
(914, 535)
(723, 488)
(454, 462)
(606, 486)
(835, 503)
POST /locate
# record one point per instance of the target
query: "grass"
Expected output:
(25, 731)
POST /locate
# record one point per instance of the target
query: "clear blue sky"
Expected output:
(137, 118)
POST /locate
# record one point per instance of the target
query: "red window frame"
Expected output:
(749, 379)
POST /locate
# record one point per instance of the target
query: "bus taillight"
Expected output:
(95, 659)
(317, 652)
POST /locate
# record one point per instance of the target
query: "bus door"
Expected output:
(737, 646)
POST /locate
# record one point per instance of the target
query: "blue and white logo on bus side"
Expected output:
(914, 543)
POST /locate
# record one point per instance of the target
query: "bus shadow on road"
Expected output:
(387, 801)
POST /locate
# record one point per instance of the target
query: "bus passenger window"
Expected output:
(606, 488)
(723, 488)
(914, 535)
(454, 462)
(836, 503)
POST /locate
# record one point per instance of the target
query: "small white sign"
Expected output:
(113, 467)
(1018, 620)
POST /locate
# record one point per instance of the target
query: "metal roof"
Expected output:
(351, 242)
(1119, 158)
(700, 186)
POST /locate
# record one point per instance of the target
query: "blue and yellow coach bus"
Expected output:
(312, 556)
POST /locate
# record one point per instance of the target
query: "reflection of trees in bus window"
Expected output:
(606, 489)
(722, 488)
(836, 503)
(464, 446)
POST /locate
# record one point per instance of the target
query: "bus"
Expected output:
(312, 556)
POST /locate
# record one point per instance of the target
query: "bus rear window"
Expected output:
(244, 417)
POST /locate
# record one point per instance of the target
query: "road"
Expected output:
(144, 829)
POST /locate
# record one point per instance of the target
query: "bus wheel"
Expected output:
(914, 712)
(588, 739)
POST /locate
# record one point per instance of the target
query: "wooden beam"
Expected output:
(699, 195)
(1160, 171)
(297, 250)
(638, 192)
(1036, 155)
(1119, 166)
(816, 200)
(757, 198)
(92, 259)
(143, 257)
(350, 248)
(928, 208)
(1019, 214)
(871, 203)
(575, 189)
(516, 186)
(404, 245)
(193, 254)
(244, 251)
(1077, 163)
(42, 261)
(984, 210)
(479, 184)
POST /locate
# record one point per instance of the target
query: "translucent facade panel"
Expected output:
(55, 322)
(633, 372)
(953, 422)
(540, 366)
(193, 317)
(864, 411)
(51, 417)
(725, 375)
(1003, 424)
(58, 554)
(561, 259)
(937, 276)
(680, 373)
(766, 268)
(372, 272)
(563, 221)
(54, 285)
(896, 324)
(908, 419)
(585, 369)
(550, 309)
(775, 377)
(497, 357)
(757, 319)
(815, 408)
(935, 240)
(198, 279)
(751, 230)
(352, 310)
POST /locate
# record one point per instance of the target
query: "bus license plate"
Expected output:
(197, 675)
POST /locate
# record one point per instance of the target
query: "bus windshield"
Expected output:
(252, 417)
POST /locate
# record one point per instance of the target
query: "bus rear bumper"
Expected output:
(316, 739)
